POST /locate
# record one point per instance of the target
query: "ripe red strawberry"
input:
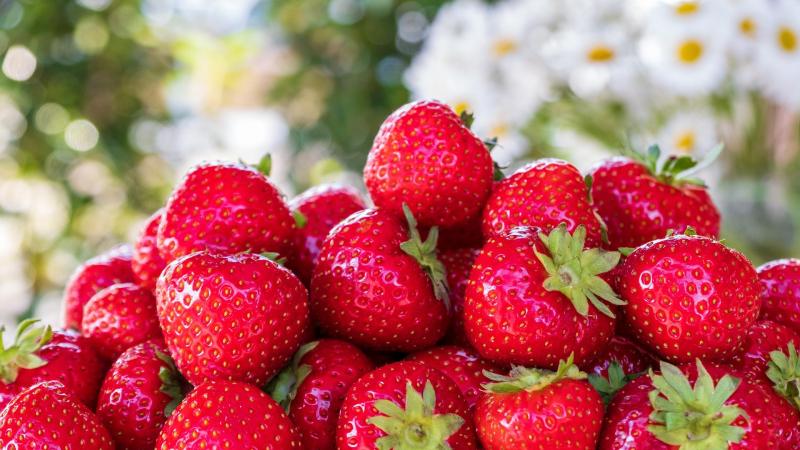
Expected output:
(140, 391)
(313, 388)
(463, 365)
(630, 356)
(231, 317)
(780, 291)
(225, 208)
(378, 285)
(224, 414)
(46, 416)
(539, 409)
(689, 297)
(317, 210)
(425, 156)
(458, 265)
(762, 338)
(702, 407)
(94, 275)
(119, 317)
(641, 201)
(404, 405)
(39, 354)
(147, 263)
(544, 194)
(534, 300)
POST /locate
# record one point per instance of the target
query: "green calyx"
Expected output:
(283, 388)
(22, 353)
(524, 379)
(784, 372)
(574, 271)
(265, 165)
(676, 170)
(694, 417)
(616, 380)
(425, 254)
(275, 257)
(172, 383)
(300, 219)
(417, 427)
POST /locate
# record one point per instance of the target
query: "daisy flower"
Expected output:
(778, 56)
(688, 132)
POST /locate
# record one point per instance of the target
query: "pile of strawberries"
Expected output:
(545, 310)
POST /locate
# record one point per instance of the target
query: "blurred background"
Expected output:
(105, 103)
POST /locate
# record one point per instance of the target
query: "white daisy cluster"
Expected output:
(661, 61)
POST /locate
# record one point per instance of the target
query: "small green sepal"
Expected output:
(172, 383)
(467, 118)
(425, 254)
(22, 353)
(283, 387)
(784, 372)
(676, 170)
(616, 380)
(265, 165)
(300, 219)
(525, 379)
(274, 257)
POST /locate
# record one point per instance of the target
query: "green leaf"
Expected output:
(525, 379)
(300, 219)
(265, 165)
(425, 254)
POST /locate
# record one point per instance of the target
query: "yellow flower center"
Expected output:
(787, 39)
(686, 8)
(460, 107)
(685, 141)
(748, 27)
(501, 129)
(600, 53)
(690, 51)
(504, 46)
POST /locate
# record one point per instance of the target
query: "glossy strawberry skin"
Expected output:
(773, 423)
(462, 365)
(566, 415)
(762, 338)
(119, 317)
(389, 383)
(94, 275)
(335, 365)
(689, 297)
(638, 208)
(780, 290)
(510, 318)
(368, 291)
(458, 263)
(131, 404)
(426, 157)
(322, 207)
(225, 208)
(46, 416)
(71, 361)
(147, 263)
(544, 194)
(630, 356)
(223, 414)
(231, 317)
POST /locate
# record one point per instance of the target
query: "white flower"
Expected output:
(778, 56)
(691, 132)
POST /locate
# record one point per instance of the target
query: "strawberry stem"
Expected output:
(22, 353)
(525, 379)
(425, 254)
(784, 372)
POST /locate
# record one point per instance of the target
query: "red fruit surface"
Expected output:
(468, 234)
(544, 194)
(762, 338)
(426, 157)
(390, 383)
(630, 356)
(131, 403)
(45, 416)
(511, 318)
(147, 263)
(119, 317)
(458, 263)
(367, 290)
(322, 207)
(222, 415)
(231, 317)
(780, 290)
(94, 275)
(225, 208)
(463, 365)
(335, 365)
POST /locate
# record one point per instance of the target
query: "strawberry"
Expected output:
(463, 365)
(225, 208)
(762, 338)
(426, 156)
(378, 285)
(468, 234)
(224, 414)
(702, 407)
(94, 275)
(543, 194)
(146, 262)
(458, 265)
(231, 317)
(783, 371)
(780, 290)
(539, 409)
(46, 416)
(316, 211)
(39, 354)
(404, 406)
(313, 388)
(641, 200)
(119, 317)
(630, 356)
(689, 297)
(535, 299)
(140, 391)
